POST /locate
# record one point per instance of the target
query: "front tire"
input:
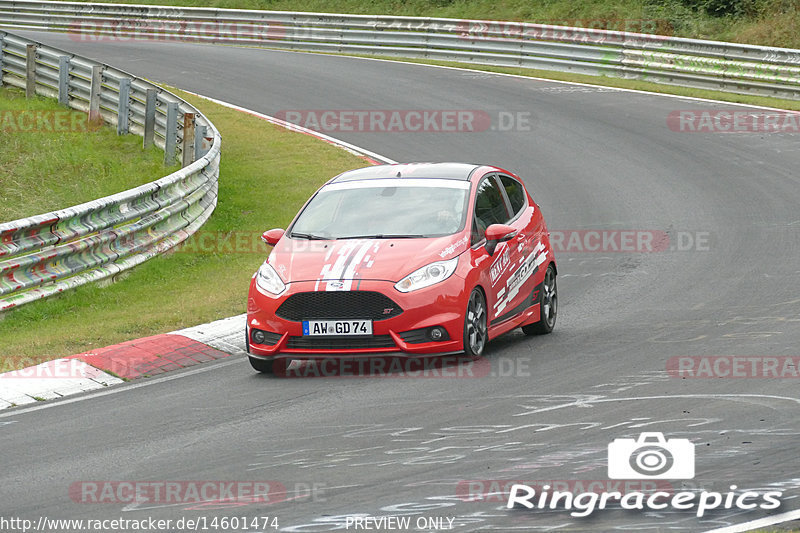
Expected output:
(261, 365)
(548, 305)
(475, 327)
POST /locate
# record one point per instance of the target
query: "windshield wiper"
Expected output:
(308, 236)
(382, 236)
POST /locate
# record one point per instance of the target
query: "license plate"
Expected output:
(337, 327)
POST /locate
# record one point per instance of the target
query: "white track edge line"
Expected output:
(761, 522)
(300, 129)
(122, 387)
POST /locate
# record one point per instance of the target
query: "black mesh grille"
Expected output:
(338, 305)
(341, 343)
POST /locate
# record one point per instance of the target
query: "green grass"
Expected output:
(766, 22)
(265, 176)
(49, 160)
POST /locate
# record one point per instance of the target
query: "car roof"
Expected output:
(453, 171)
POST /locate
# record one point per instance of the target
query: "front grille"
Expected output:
(341, 343)
(338, 305)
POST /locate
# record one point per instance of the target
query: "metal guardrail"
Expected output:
(730, 67)
(43, 255)
(47, 254)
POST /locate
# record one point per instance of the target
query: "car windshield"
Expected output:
(384, 208)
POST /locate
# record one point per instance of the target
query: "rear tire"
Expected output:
(475, 326)
(548, 305)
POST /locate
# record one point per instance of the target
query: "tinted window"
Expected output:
(515, 193)
(490, 208)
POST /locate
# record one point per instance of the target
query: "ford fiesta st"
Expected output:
(407, 260)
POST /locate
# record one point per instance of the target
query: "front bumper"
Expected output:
(404, 334)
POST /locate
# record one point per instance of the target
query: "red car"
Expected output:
(408, 260)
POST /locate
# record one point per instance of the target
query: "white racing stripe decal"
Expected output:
(350, 256)
(528, 267)
(334, 271)
(356, 261)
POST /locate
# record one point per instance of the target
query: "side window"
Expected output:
(490, 208)
(515, 193)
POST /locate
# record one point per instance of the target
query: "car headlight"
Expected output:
(427, 275)
(269, 281)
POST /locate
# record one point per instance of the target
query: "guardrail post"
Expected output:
(30, 70)
(95, 118)
(171, 136)
(2, 44)
(187, 148)
(124, 108)
(149, 117)
(199, 138)
(63, 80)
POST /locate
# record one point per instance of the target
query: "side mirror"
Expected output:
(272, 236)
(497, 233)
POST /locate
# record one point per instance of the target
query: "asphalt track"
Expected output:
(595, 159)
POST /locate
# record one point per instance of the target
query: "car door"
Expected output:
(527, 247)
(492, 207)
(515, 295)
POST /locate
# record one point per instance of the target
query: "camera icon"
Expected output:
(651, 457)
